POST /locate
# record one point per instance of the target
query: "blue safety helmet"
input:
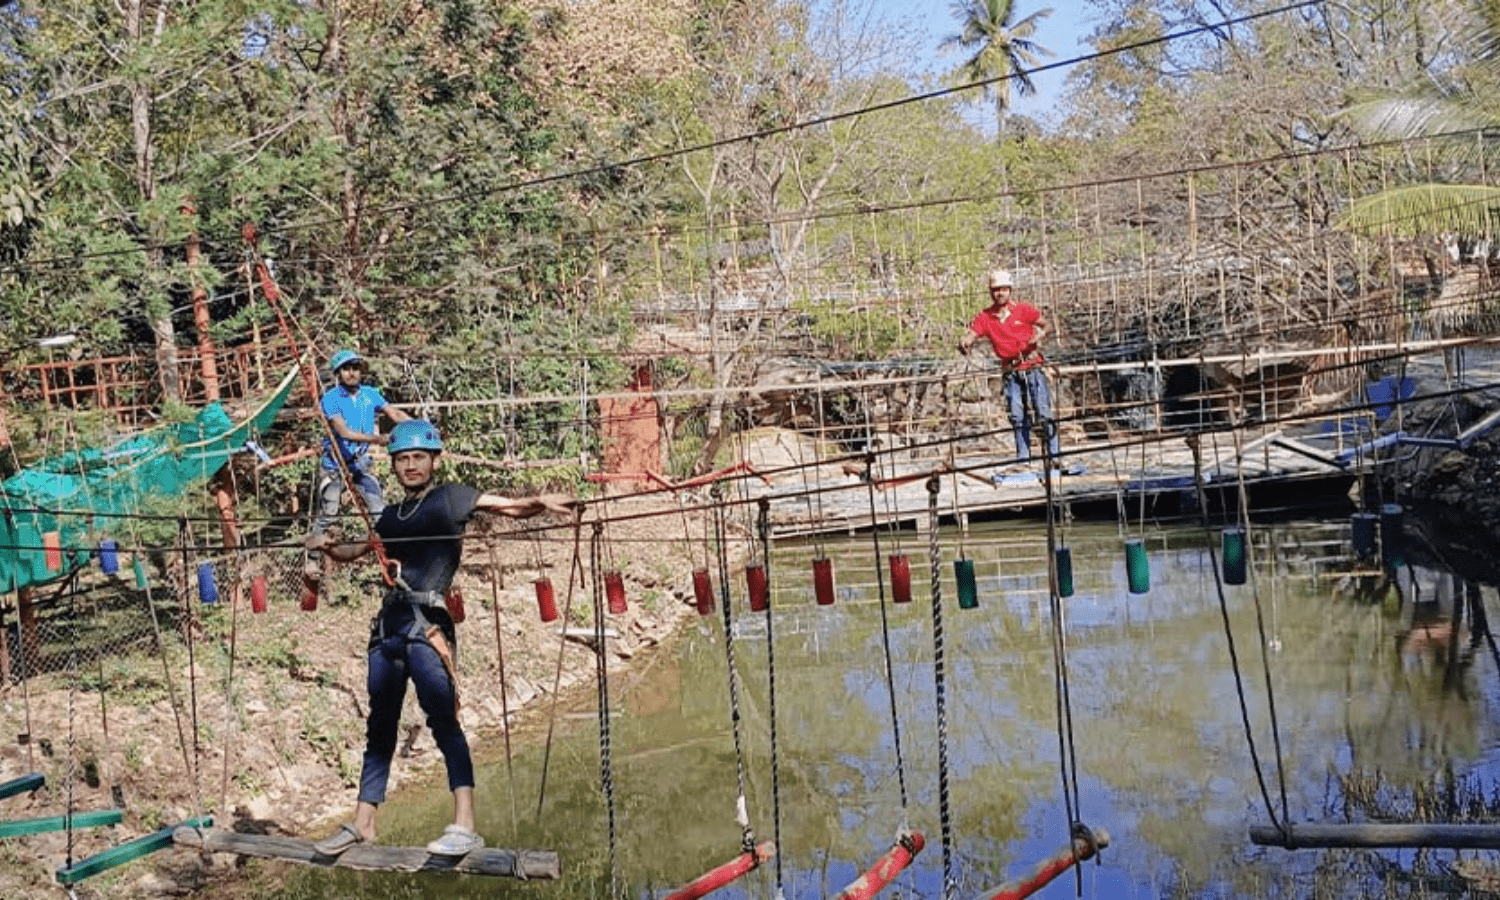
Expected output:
(415, 434)
(343, 358)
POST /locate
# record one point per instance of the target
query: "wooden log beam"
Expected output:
(1323, 835)
(522, 864)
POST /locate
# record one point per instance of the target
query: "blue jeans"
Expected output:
(392, 661)
(331, 490)
(1029, 388)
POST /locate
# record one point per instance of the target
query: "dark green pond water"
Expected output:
(1363, 681)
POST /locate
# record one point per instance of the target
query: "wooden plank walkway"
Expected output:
(521, 864)
(832, 496)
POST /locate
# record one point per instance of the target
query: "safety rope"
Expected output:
(939, 673)
(763, 526)
(741, 812)
(388, 572)
(510, 771)
(601, 669)
(1281, 825)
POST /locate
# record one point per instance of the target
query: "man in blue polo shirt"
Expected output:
(351, 408)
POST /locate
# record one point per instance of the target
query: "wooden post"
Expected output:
(201, 321)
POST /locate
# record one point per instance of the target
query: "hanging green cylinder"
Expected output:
(968, 593)
(1064, 560)
(1233, 542)
(1362, 533)
(140, 574)
(1137, 566)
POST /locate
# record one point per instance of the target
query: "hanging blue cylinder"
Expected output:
(208, 592)
(1362, 533)
(968, 592)
(109, 557)
(1137, 566)
(1390, 533)
(1064, 560)
(1234, 556)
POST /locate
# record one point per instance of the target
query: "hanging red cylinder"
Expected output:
(1078, 849)
(716, 878)
(885, 869)
(759, 588)
(258, 594)
(823, 580)
(614, 592)
(309, 594)
(52, 550)
(546, 600)
(454, 600)
(900, 577)
(703, 591)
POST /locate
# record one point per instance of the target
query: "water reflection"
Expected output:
(1372, 672)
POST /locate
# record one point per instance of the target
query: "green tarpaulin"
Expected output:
(82, 495)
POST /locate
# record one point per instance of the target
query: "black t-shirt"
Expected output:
(426, 537)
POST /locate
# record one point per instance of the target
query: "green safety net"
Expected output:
(69, 501)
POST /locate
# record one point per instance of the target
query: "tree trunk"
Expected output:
(207, 362)
(145, 180)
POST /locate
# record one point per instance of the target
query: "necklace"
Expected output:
(403, 516)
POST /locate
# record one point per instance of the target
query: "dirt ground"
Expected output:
(295, 725)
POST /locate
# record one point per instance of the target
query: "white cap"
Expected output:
(1001, 278)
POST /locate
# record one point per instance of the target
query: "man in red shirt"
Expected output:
(1014, 329)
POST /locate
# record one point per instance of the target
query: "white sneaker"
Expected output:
(456, 841)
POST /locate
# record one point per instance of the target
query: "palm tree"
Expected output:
(1001, 50)
(1437, 104)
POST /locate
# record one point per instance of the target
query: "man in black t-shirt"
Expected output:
(412, 637)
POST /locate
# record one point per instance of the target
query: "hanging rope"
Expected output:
(166, 671)
(71, 773)
(742, 814)
(189, 626)
(890, 688)
(510, 771)
(574, 568)
(601, 669)
(763, 526)
(1280, 824)
(939, 673)
(1067, 750)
